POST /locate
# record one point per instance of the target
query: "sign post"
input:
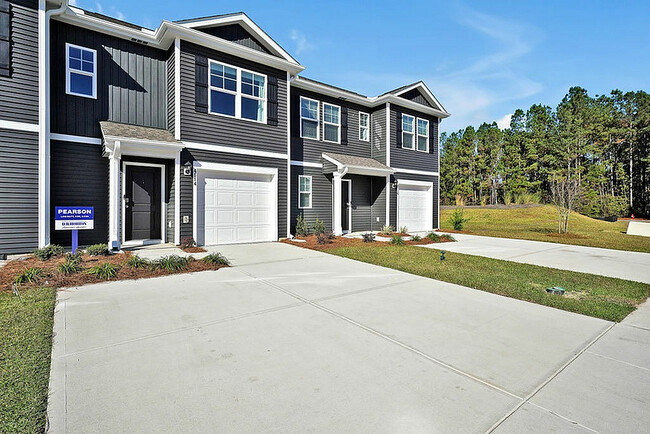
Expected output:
(74, 218)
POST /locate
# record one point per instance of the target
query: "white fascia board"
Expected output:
(368, 171)
(154, 143)
(338, 165)
(427, 92)
(19, 126)
(234, 168)
(306, 164)
(416, 172)
(75, 139)
(233, 150)
(415, 183)
(413, 105)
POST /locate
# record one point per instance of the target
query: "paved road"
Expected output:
(607, 262)
(299, 341)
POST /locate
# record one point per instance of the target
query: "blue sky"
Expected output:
(481, 59)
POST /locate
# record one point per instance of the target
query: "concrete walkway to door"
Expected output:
(606, 262)
(293, 340)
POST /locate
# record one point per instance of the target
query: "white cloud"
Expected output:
(110, 11)
(302, 44)
(504, 122)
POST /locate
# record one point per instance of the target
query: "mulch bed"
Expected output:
(51, 277)
(194, 250)
(311, 242)
(401, 234)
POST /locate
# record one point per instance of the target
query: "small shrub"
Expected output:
(187, 242)
(29, 275)
(71, 264)
(98, 250)
(325, 237)
(368, 237)
(447, 237)
(397, 240)
(416, 238)
(319, 227)
(104, 271)
(302, 228)
(172, 263)
(387, 230)
(136, 261)
(404, 230)
(457, 219)
(433, 236)
(215, 259)
(48, 252)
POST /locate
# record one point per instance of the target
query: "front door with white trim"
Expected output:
(142, 203)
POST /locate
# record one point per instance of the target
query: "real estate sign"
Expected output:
(74, 217)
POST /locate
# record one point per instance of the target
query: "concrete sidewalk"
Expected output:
(298, 340)
(607, 262)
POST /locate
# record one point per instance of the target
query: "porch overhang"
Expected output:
(354, 165)
(132, 140)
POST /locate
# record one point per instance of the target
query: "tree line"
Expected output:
(602, 143)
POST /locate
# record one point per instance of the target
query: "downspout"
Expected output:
(44, 17)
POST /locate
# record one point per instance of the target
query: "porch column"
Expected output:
(177, 199)
(388, 187)
(336, 204)
(114, 196)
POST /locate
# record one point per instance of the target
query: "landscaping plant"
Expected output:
(215, 259)
(397, 240)
(387, 230)
(48, 252)
(302, 228)
(187, 242)
(433, 236)
(447, 237)
(368, 237)
(319, 227)
(172, 263)
(137, 262)
(98, 250)
(404, 230)
(30, 275)
(105, 271)
(71, 264)
(416, 238)
(457, 219)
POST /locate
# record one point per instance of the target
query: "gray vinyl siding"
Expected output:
(187, 185)
(79, 177)
(131, 83)
(171, 97)
(19, 91)
(393, 196)
(321, 199)
(237, 34)
(409, 158)
(310, 150)
(378, 203)
(223, 130)
(18, 191)
(378, 134)
(416, 96)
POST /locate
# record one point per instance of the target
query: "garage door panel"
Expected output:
(415, 207)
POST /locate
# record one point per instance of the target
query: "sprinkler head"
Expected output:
(442, 255)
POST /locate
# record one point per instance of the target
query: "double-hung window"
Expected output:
(408, 132)
(423, 135)
(309, 118)
(304, 192)
(364, 127)
(236, 92)
(81, 71)
(331, 123)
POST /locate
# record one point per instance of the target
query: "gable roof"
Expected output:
(423, 89)
(246, 23)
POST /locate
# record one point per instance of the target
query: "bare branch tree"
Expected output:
(564, 195)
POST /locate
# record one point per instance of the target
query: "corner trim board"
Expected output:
(19, 126)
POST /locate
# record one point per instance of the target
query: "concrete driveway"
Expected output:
(293, 340)
(607, 262)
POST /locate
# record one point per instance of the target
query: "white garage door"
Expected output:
(235, 208)
(415, 207)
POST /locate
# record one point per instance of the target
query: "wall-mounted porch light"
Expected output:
(187, 169)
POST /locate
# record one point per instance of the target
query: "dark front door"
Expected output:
(142, 203)
(345, 205)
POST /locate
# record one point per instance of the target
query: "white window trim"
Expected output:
(414, 133)
(238, 93)
(305, 192)
(338, 138)
(368, 127)
(76, 71)
(418, 135)
(317, 120)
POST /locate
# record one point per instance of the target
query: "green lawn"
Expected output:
(540, 224)
(25, 348)
(588, 294)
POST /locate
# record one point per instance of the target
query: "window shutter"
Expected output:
(433, 136)
(201, 84)
(272, 101)
(5, 36)
(295, 116)
(398, 129)
(344, 125)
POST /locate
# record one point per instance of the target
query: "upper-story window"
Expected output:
(236, 92)
(331, 123)
(364, 127)
(423, 135)
(309, 118)
(81, 71)
(408, 131)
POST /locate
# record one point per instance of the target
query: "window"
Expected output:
(81, 71)
(304, 192)
(236, 92)
(309, 118)
(5, 39)
(423, 135)
(331, 123)
(408, 131)
(364, 127)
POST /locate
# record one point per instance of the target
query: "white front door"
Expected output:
(415, 206)
(235, 208)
